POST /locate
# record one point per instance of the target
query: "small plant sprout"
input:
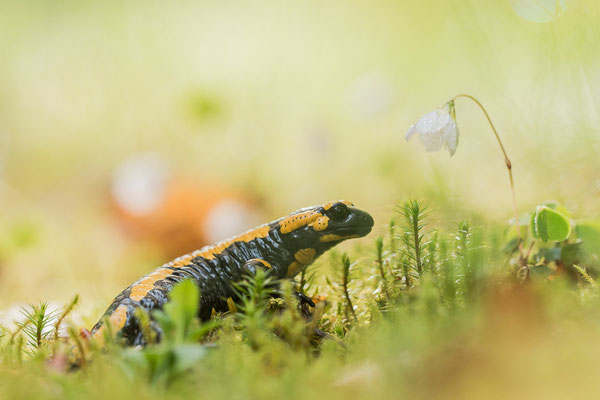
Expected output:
(38, 323)
(416, 236)
(439, 128)
(346, 271)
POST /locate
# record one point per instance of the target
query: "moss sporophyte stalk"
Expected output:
(439, 128)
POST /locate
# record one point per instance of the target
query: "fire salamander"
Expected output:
(282, 247)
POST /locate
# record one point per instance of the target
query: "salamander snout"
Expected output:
(361, 222)
(367, 220)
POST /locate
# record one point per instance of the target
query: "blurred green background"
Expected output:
(290, 103)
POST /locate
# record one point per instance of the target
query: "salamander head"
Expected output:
(309, 232)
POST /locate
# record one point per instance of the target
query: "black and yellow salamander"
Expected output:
(282, 247)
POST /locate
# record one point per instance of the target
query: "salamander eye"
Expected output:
(338, 211)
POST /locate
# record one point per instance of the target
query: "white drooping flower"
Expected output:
(436, 129)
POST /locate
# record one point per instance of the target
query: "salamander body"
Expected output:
(282, 247)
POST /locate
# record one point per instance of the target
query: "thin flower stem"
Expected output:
(506, 161)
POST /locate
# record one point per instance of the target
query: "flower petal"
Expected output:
(432, 141)
(450, 135)
(433, 121)
(411, 132)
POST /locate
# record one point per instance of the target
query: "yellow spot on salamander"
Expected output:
(305, 256)
(118, 318)
(296, 221)
(141, 289)
(263, 262)
(336, 238)
(294, 268)
(210, 252)
(320, 224)
(331, 203)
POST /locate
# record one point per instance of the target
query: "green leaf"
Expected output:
(539, 271)
(187, 355)
(571, 253)
(550, 254)
(548, 224)
(556, 206)
(184, 301)
(178, 316)
(589, 232)
(532, 226)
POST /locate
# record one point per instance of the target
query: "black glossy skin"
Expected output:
(214, 276)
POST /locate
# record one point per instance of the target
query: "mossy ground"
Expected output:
(465, 324)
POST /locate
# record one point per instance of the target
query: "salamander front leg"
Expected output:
(304, 299)
(254, 264)
(304, 302)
